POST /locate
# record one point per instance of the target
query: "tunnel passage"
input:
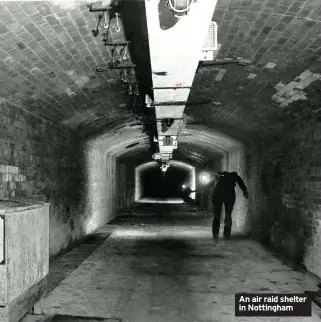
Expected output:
(151, 184)
(65, 127)
(155, 185)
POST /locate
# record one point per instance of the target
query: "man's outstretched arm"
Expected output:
(214, 179)
(242, 185)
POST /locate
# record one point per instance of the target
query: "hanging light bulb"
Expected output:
(137, 89)
(106, 23)
(130, 91)
(132, 75)
(125, 55)
(125, 79)
(117, 27)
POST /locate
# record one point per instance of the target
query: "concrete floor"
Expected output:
(167, 268)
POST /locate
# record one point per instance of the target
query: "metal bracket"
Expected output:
(104, 68)
(119, 58)
(124, 43)
(131, 83)
(160, 73)
(91, 9)
(227, 61)
(178, 87)
(199, 102)
(169, 103)
(181, 103)
(96, 31)
(106, 25)
(175, 119)
(124, 67)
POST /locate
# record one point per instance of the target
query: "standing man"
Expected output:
(224, 193)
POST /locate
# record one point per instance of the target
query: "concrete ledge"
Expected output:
(21, 305)
(15, 205)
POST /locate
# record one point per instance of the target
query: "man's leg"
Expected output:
(228, 205)
(190, 200)
(217, 217)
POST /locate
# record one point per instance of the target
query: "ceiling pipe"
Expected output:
(174, 60)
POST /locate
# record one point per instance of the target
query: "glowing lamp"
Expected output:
(205, 178)
(183, 186)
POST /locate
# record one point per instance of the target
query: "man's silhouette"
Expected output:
(186, 195)
(224, 193)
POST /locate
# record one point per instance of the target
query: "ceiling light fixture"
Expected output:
(179, 8)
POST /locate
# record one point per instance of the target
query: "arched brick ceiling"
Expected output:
(48, 60)
(48, 57)
(189, 153)
(282, 38)
(202, 147)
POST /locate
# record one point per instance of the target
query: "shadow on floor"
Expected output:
(170, 270)
(70, 318)
(176, 248)
(186, 217)
(64, 264)
(235, 235)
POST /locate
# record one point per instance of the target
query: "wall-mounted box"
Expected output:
(24, 258)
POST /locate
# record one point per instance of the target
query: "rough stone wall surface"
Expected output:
(285, 186)
(100, 189)
(240, 214)
(41, 162)
(130, 185)
(125, 184)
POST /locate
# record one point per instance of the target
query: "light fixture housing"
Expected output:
(177, 10)
(205, 178)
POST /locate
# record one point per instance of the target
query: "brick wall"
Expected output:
(240, 213)
(100, 199)
(42, 163)
(12, 183)
(125, 184)
(285, 186)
